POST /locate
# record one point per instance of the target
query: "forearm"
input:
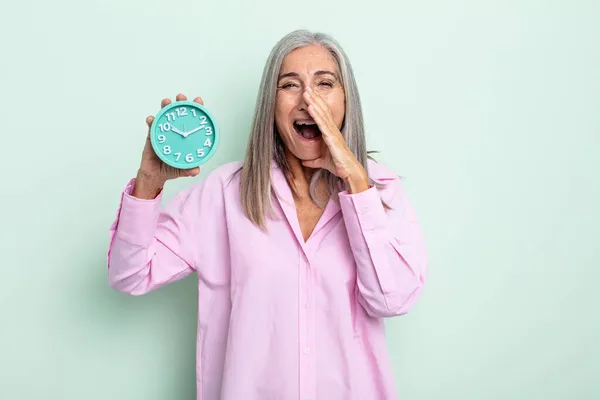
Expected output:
(389, 252)
(147, 187)
(357, 182)
(388, 278)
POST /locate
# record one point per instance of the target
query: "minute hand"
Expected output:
(194, 130)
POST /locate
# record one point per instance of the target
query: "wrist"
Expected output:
(147, 187)
(357, 181)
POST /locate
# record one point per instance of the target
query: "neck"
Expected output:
(301, 175)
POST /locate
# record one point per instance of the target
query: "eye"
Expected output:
(326, 83)
(288, 85)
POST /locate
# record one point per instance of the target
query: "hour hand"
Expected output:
(178, 131)
(194, 130)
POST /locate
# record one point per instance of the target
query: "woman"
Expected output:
(301, 250)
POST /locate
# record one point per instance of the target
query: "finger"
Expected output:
(199, 100)
(180, 97)
(313, 103)
(317, 114)
(319, 111)
(193, 172)
(149, 121)
(165, 102)
(314, 98)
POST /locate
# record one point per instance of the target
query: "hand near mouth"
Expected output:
(336, 156)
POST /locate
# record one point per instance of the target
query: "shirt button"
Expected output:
(305, 306)
(306, 350)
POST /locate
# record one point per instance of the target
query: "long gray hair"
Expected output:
(265, 145)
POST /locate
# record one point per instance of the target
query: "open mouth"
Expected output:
(307, 129)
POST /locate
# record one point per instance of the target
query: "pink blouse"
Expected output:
(279, 318)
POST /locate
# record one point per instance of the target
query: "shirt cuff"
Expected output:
(137, 218)
(364, 211)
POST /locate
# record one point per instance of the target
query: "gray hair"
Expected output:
(265, 145)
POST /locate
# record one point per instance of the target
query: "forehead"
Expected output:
(310, 58)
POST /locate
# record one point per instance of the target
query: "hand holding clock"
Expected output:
(153, 172)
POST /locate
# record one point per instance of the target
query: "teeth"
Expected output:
(305, 122)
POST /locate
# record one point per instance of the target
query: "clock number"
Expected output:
(203, 119)
(200, 152)
(208, 130)
(177, 155)
(171, 116)
(161, 138)
(207, 143)
(189, 158)
(181, 111)
(167, 149)
(194, 112)
(165, 127)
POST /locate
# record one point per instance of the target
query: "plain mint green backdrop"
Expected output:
(490, 109)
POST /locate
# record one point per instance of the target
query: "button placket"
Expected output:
(307, 383)
(310, 329)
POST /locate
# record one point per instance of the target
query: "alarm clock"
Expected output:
(184, 134)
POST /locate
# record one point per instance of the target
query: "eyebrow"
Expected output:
(318, 73)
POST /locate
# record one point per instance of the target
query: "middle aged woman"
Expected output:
(301, 249)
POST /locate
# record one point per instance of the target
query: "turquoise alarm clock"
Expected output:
(184, 134)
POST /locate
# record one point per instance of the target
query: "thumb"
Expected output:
(316, 163)
(192, 172)
(184, 173)
(149, 121)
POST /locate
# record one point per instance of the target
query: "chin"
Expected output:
(306, 151)
(303, 154)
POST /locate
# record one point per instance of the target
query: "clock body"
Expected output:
(184, 134)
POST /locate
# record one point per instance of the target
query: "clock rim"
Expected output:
(154, 128)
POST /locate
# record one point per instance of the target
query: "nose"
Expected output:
(302, 106)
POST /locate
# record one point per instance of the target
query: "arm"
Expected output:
(149, 247)
(388, 247)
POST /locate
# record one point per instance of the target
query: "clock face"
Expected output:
(184, 135)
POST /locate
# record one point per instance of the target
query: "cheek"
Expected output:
(280, 114)
(283, 107)
(337, 106)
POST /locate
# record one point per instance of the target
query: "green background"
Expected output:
(489, 109)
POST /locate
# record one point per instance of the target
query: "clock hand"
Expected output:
(178, 131)
(194, 130)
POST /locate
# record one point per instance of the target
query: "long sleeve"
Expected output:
(151, 246)
(388, 247)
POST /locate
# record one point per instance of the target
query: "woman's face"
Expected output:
(311, 66)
